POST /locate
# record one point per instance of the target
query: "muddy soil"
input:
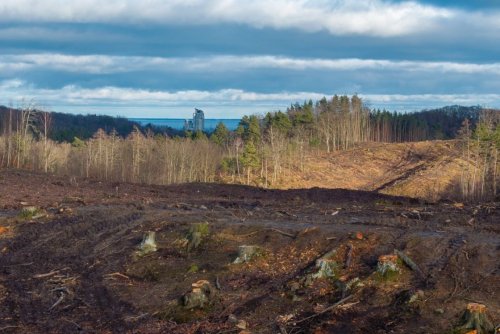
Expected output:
(75, 266)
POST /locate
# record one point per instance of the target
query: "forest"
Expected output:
(258, 152)
(65, 127)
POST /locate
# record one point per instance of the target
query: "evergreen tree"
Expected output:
(254, 130)
(199, 135)
(220, 136)
(249, 129)
(250, 158)
(278, 121)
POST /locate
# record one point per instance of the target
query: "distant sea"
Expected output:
(178, 123)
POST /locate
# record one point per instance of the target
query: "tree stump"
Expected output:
(246, 253)
(388, 266)
(148, 244)
(196, 234)
(30, 212)
(200, 296)
(327, 266)
(475, 320)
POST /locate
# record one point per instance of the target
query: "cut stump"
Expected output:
(200, 296)
(476, 320)
(148, 244)
(388, 265)
(246, 253)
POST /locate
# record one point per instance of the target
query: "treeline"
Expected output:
(264, 150)
(29, 139)
(144, 158)
(435, 124)
(139, 158)
(65, 127)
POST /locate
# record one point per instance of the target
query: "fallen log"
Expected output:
(328, 309)
(409, 262)
(284, 233)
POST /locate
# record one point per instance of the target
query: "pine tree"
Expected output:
(279, 121)
(220, 136)
(250, 158)
(253, 130)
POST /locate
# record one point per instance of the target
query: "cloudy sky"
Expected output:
(162, 58)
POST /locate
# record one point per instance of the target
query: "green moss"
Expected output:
(388, 275)
(29, 212)
(193, 269)
(201, 228)
(388, 271)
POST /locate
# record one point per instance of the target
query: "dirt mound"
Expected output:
(428, 169)
(76, 266)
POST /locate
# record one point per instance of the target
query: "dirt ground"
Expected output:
(75, 267)
(427, 169)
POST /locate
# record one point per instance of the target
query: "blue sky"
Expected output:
(161, 58)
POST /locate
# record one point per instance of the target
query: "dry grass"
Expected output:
(423, 169)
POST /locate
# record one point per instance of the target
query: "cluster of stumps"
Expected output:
(389, 266)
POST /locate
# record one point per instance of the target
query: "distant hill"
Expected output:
(65, 127)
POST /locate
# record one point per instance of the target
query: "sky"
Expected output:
(163, 58)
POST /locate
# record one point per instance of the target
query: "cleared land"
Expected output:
(75, 267)
(429, 169)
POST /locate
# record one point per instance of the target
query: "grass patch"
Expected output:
(29, 212)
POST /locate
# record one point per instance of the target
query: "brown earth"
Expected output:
(429, 169)
(75, 269)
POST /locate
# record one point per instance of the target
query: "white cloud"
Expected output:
(419, 101)
(127, 99)
(119, 95)
(11, 84)
(102, 64)
(339, 17)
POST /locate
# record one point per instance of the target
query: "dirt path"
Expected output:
(77, 269)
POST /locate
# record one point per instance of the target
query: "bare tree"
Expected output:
(46, 122)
